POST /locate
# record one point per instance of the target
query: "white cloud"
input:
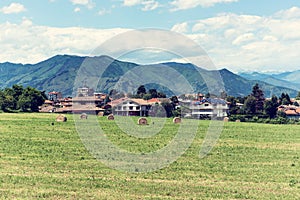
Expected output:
(291, 13)
(242, 42)
(150, 5)
(244, 38)
(29, 43)
(88, 3)
(77, 9)
(147, 4)
(132, 2)
(104, 11)
(180, 28)
(13, 8)
(184, 4)
(239, 42)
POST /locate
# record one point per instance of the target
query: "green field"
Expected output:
(250, 161)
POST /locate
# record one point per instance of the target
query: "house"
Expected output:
(133, 107)
(85, 91)
(54, 96)
(292, 112)
(83, 103)
(209, 108)
(130, 107)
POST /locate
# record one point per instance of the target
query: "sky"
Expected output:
(240, 35)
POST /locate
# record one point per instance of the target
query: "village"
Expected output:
(195, 106)
(101, 104)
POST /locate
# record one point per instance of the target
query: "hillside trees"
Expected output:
(146, 95)
(21, 99)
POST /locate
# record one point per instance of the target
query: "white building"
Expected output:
(130, 107)
(209, 108)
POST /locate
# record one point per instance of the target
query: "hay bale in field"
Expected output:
(176, 120)
(61, 118)
(111, 117)
(83, 116)
(101, 114)
(142, 121)
(237, 120)
(226, 119)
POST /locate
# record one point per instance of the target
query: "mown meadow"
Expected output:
(41, 158)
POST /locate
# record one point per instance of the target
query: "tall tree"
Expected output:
(161, 95)
(233, 108)
(168, 108)
(6, 102)
(30, 100)
(207, 95)
(285, 99)
(258, 94)
(298, 96)
(141, 90)
(250, 105)
(153, 93)
(270, 107)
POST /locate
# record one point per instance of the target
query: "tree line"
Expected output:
(20, 99)
(255, 107)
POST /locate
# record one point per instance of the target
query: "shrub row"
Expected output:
(263, 119)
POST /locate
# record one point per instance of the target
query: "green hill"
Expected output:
(59, 72)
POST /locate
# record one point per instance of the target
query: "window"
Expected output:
(137, 108)
(206, 104)
(130, 107)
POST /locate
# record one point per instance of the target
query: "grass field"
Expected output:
(250, 161)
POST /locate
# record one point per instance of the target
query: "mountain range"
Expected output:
(285, 79)
(59, 73)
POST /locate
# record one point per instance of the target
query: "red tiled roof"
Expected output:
(117, 101)
(153, 100)
(138, 101)
(48, 102)
(291, 112)
(85, 99)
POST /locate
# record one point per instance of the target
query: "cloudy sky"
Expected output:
(241, 35)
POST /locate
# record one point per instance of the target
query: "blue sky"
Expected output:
(241, 35)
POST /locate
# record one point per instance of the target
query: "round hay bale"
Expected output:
(101, 114)
(142, 121)
(237, 120)
(226, 119)
(61, 118)
(176, 120)
(111, 117)
(83, 116)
